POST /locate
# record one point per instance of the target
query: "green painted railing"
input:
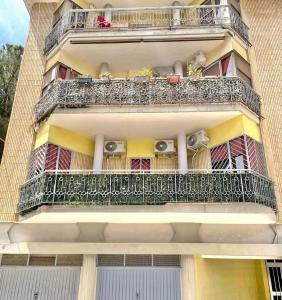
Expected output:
(85, 188)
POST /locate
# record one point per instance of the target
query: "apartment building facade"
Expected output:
(142, 159)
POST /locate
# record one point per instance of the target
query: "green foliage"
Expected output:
(3, 127)
(192, 72)
(10, 59)
(145, 72)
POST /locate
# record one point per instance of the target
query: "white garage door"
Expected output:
(138, 283)
(39, 283)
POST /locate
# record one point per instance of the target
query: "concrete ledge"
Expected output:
(215, 250)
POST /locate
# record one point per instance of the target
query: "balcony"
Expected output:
(87, 188)
(122, 92)
(117, 20)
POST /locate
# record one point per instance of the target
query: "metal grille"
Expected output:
(69, 93)
(41, 260)
(49, 157)
(64, 159)
(140, 164)
(242, 153)
(158, 187)
(169, 17)
(275, 278)
(37, 161)
(52, 157)
(138, 260)
(108, 260)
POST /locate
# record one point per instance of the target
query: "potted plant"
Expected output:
(193, 73)
(173, 78)
(144, 75)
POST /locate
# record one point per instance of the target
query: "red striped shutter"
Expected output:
(140, 164)
(64, 159)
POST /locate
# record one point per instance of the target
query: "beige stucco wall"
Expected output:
(20, 132)
(265, 24)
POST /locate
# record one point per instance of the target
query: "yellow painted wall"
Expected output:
(72, 62)
(233, 128)
(220, 279)
(140, 148)
(230, 44)
(64, 138)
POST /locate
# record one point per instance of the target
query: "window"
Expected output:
(58, 71)
(140, 164)
(49, 157)
(57, 158)
(226, 66)
(219, 68)
(241, 153)
(275, 279)
(62, 10)
(214, 70)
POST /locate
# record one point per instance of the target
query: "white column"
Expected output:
(182, 151)
(176, 14)
(108, 14)
(178, 69)
(188, 282)
(98, 152)
(88, 274)
(104, 68)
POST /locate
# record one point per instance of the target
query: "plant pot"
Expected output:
(141, 79)
(173, 79)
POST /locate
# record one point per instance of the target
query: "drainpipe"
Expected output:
(98, 153)
(176, 14)
(182, 152)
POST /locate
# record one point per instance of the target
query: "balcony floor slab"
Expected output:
(228, 213)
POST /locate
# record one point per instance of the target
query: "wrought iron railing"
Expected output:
(169, 17)
(87, 188)
(71, 93)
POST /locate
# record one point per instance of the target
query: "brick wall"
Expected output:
(20, 132)
(264, 18)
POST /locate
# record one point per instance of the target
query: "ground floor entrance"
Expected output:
(131, 283)
(39, 283)
(138, 277)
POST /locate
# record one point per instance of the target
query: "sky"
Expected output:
(13, 22)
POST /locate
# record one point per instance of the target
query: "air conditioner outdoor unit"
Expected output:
(197, 140)
(114, 147)
(164, 146)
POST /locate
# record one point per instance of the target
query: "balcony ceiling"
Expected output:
(138, 3)
(135, 55)
(128, 125)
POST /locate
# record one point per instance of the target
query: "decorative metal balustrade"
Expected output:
(71, 93)
(87, 188)
(170, 17)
